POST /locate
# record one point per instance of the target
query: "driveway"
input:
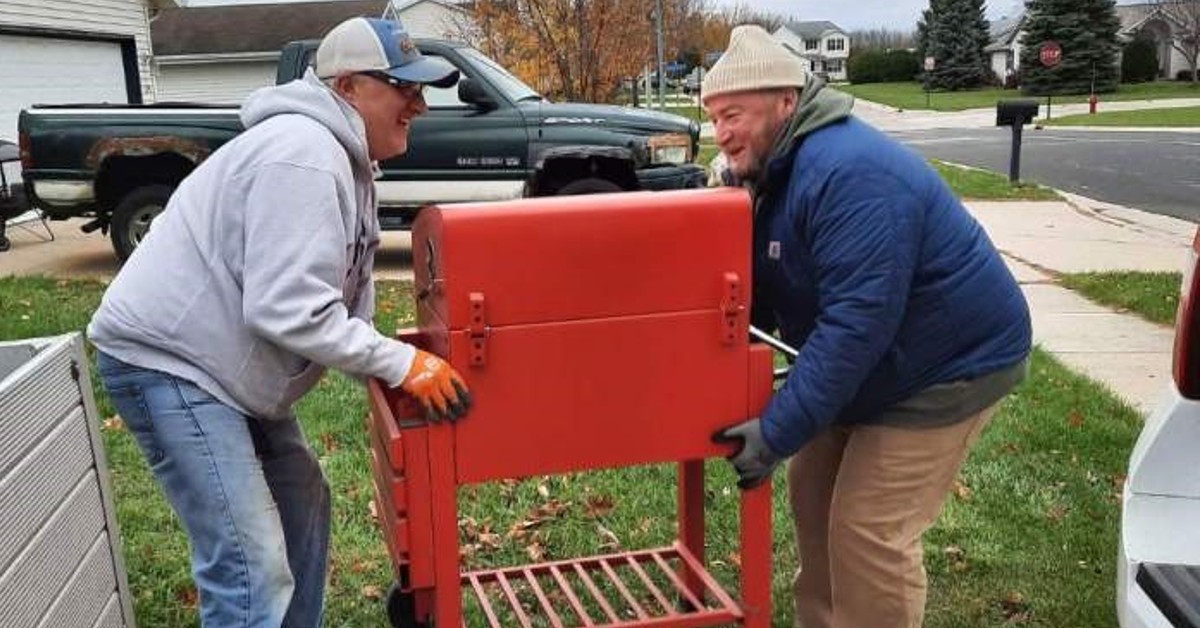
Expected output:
(74, 254)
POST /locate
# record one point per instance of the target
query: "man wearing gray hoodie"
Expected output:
(254, 280)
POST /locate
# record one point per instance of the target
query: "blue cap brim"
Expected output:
(428, 70)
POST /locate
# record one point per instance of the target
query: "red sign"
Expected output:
(1051, 54)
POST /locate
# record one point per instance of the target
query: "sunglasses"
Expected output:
(407, 88)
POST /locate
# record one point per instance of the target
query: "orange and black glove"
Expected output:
(437, 387)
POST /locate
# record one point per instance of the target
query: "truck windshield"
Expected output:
(512, 86)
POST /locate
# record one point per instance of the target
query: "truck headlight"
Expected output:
(674, 148)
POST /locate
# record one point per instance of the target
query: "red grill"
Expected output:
(595, 332)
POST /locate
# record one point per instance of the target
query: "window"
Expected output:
(834, 66)
(811, 44)
(835, 44)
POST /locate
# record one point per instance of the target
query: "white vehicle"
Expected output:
(1158, 574)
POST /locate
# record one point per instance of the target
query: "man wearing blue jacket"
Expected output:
(910, 331)
(255, 279)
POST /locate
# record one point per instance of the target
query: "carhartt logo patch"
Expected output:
(774, 249)
(406, 45)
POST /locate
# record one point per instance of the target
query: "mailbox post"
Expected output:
(1015, 114)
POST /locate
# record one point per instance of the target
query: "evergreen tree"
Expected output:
(954, 33)
(1086, 30)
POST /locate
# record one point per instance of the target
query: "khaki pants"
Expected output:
(861, 498)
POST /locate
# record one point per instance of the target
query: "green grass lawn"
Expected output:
(1153, 296)
(980, 185)
(1173, 117)
(911, 95)
(692, 113)
(1028, 538)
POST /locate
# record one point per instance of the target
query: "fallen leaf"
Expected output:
(611, 540)
(373, 510)
(961, 490)
(114, 424)
(598, 506)
(1056, 513)
(536, 551)
(187, 596)
(956, 558)
(363, 566)
(1075, 419)
(330, 442)
(735, 559)
(372, 592)
(543, 490)
(1015, 608)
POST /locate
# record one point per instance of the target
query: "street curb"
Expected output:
(1118, 129)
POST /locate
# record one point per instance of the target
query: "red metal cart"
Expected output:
(595, 332)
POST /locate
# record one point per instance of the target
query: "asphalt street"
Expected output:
(1153, 171)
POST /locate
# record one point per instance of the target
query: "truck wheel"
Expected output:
(589, 185)
(131, 218)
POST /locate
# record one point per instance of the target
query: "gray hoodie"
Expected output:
(257, 275)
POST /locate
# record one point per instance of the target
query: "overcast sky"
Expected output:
(848, 14)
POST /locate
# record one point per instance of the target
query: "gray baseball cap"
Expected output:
(366, 44)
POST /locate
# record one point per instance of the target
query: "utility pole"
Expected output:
(658, 50)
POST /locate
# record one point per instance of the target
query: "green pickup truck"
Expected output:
(490, 137)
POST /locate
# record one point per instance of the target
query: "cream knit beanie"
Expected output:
(753, 61)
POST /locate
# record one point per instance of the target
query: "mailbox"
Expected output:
(1016, 112)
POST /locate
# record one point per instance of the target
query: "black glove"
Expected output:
(754, 460)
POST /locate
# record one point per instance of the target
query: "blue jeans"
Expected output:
(250, 493)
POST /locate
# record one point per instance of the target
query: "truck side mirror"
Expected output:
(471, 92)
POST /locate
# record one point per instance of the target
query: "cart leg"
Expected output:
(756, 556)
(691, 519)
(447, 594)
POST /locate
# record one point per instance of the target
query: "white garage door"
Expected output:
(221, 83)
(46, 70)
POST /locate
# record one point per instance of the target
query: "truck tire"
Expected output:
(131, 218)
(588, 185)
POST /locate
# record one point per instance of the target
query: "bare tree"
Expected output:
(1185, 18)
(744, 14)
(882, 39)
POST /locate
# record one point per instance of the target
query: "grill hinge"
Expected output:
(478, 330)
(731, 307)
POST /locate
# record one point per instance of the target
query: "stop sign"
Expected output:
(1050, 54)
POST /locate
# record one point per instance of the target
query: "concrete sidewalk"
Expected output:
(1129, 355)
(891, 119)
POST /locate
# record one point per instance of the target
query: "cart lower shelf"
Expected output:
(661, 587)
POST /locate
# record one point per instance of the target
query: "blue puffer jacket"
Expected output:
(867, 262)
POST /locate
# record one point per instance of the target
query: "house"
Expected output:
(1004, 50)
(1137, 21)
(824, 45)
(65, 51)
(1150, 22)
(219, 54)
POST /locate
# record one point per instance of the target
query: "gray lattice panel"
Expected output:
(37, 575)
(82, 599)
(111, 617)
(40, 482)
(33, 400)
(60, 557)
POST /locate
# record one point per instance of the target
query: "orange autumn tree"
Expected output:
(584, 49)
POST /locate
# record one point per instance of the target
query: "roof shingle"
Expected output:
(251, 27)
